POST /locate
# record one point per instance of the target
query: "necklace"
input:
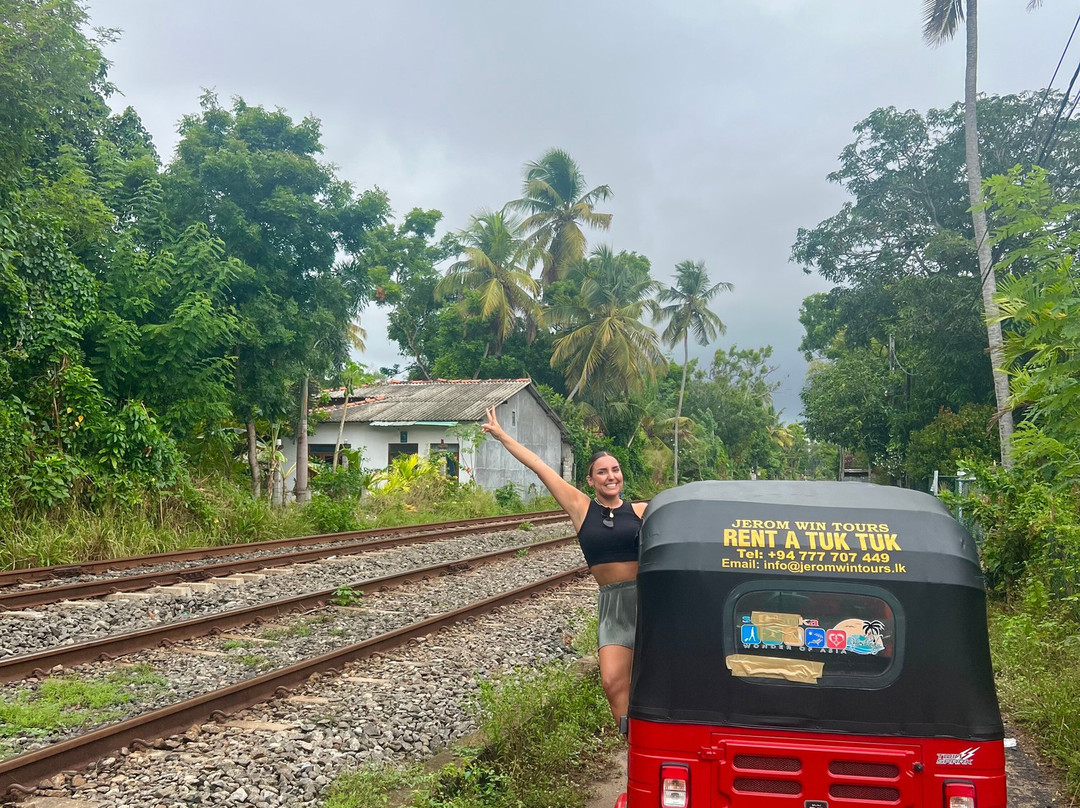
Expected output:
(609, 520)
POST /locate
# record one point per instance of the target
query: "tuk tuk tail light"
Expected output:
(674, 786)
(960, 795)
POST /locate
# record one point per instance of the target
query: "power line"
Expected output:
(1057, 116)
(1046, 91)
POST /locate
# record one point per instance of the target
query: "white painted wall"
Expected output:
(374, 443)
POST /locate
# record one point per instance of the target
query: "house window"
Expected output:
(324, 452)
(397, 449)
(403, 436)
(513, 417)
(452, 453)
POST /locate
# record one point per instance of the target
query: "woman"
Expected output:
(607, 529)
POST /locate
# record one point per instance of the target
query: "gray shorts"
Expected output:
(618, 614)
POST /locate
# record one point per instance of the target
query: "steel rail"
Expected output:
(28, 598)
(41, 662)
(21, 774)
(33, 574)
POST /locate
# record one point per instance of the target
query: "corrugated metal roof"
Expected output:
(429, 401)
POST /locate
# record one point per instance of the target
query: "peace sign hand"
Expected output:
(492, 426)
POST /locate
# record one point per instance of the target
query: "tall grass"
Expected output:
(217, 512)
(1036, 653)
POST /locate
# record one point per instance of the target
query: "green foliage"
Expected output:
(603, 348)
(347, 596)
(509, 499)
(52, 80)
(950, 440)
(403, 473)
(63, 702)
(845, 401)
(1040, 301)
(495, 268)
(1037, 665)
(347, 481)
(329, 515)
(1031, 533)
(300, 628)
(556, 205)
(902, 257)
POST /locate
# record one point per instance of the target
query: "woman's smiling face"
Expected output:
(606, 477)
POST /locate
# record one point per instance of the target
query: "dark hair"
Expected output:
(596, 457)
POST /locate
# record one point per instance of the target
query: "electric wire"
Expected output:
(1057, 116)
(1046, 91)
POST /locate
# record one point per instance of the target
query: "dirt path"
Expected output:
(1032, 784)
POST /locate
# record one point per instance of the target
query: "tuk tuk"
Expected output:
(810, 644)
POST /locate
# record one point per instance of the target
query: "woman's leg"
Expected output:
(615, 663)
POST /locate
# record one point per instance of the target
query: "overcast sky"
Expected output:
(714, 122)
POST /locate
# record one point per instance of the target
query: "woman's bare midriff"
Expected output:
(614, 572)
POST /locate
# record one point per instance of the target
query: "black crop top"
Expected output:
(603, 545)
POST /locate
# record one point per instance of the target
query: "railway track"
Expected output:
(41, 663)
(22, 774)
(257, 556)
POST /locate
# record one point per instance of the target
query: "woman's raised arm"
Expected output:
(573, 501)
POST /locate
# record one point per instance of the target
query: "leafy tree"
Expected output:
(1042, 352)
(494, 267)
(901, 253)
(254, 177)
(557, 205)
(845, 401)
(950, 440)
(402, 263)
(602, 346)
(688, 310)
(52, 81)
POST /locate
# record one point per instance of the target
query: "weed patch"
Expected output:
(61, 703)
(546, 733)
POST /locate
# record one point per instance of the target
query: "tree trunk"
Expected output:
(978, 218)
(341, 427)
(253, 460)
(416, 355)
(487, 352)
(678, 408)
(300, 488)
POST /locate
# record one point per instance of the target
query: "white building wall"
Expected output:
(374, 443)
(491, 465)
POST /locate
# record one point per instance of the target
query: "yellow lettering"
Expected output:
(729, 537)
(792, 541)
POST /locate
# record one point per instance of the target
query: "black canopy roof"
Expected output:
(702, 542)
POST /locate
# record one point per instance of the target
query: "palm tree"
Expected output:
(494, 265)
(602, 345)
(941, 18)
(688, 310)
(557, 205)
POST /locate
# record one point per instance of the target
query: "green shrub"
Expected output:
(332, 515)
(509, 499)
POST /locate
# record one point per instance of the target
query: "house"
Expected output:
(424, 417)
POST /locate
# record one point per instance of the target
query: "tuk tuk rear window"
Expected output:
(834, 635)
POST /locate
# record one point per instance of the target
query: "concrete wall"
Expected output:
(525, 420)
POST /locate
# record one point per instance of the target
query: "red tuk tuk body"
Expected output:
(815, 645)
